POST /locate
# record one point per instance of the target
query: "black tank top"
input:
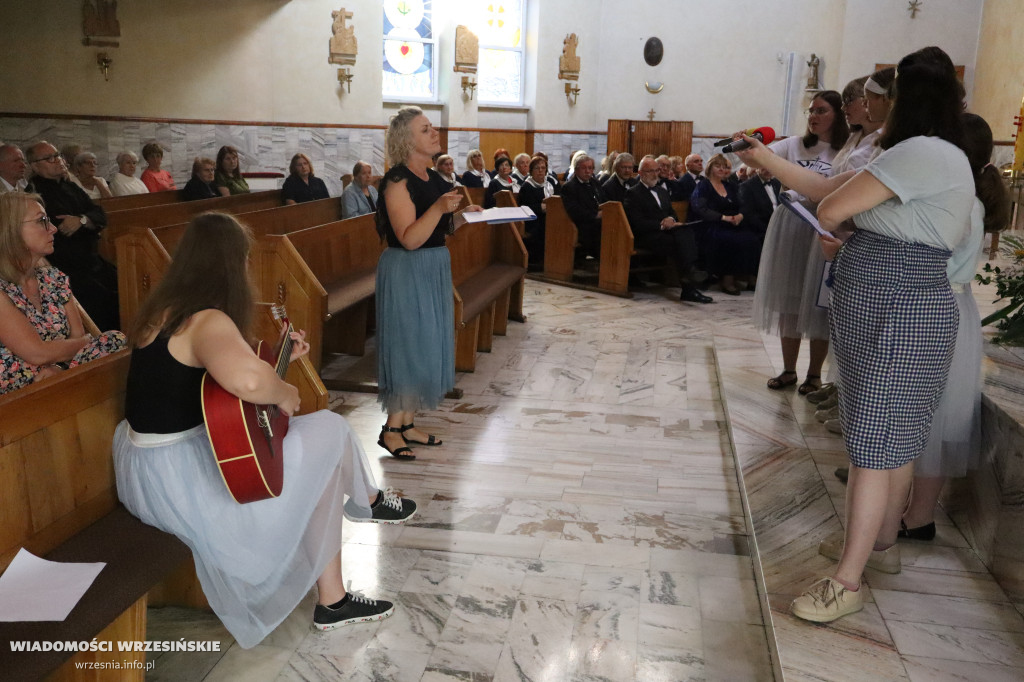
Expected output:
(423, 194)
(163, 395)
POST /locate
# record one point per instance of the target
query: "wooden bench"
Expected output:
(326, 275)
(560, 240)
(476, 195)
(141, 200)
(119, 222)
(277, 220)
(488, 266)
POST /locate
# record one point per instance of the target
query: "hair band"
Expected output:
(872, 86)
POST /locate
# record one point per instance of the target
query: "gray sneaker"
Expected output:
(824, 415)
(834, 426)
(826, 391)
(829, 402)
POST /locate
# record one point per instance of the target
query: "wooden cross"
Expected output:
(650, 114)
(914, 6)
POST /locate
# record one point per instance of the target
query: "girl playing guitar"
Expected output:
(255, 561)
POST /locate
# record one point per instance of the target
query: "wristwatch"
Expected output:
(84, 219)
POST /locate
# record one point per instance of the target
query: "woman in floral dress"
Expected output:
(41, 329)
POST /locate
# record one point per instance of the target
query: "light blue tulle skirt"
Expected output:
(415, 329)
(255, 561)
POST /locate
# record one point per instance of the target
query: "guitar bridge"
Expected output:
(264, 422)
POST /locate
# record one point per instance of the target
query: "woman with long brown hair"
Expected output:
(255, 561)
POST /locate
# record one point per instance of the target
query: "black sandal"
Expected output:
(778, 383)
(399, 453)
(431, 440)
(811, 384)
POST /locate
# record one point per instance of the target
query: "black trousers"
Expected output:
(678, 245)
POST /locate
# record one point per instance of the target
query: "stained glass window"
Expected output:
(409, 50)
(499, 26)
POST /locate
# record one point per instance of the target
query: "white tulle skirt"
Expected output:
(785, 301)
(255, 561)
(954, 445)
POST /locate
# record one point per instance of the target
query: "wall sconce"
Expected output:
(468, 84)
(571, 93)
(345, 78)
(104, 61)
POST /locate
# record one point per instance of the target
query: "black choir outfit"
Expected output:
(726, 249)
(582, 201)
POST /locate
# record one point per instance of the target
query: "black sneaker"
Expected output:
(391, 509)
(358, 609)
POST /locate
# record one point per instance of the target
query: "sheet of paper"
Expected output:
(36, 589)
(802, 212)
(500, 215)
(824, 290)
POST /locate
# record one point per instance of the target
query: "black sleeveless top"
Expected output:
(423, 193)
(163, 395)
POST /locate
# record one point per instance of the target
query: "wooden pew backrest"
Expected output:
(141, 200)
(560, 239)
(616, 249)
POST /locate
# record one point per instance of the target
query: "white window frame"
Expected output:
(522, 62)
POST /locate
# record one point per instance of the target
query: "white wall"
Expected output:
(266, 60)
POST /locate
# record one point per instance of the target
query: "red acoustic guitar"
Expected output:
(247, 439)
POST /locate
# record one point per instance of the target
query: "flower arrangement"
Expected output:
(1009, 281)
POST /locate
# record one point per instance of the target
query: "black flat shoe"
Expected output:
(694, 296)
(398, 453)
(431, 440)
(920, 533)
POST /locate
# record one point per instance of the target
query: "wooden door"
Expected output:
(512, 140)
(672, 138)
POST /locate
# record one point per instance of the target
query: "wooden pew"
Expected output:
(277, 220)
(488, 266)
(476, 195)
(616, 250)
(560, 239)
(58, 499)
(681, 207)
(119, 222)
(506, 199)
(326, 275)
(141, 200)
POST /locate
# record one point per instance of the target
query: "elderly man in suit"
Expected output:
(12, 169)
(657, 228)
(622, 178)
(684, 186)
(759, 196)
(582, 198)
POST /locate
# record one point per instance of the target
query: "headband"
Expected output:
(872, 86)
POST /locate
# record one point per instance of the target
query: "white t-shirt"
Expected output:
(934, 191)
(123, 185)
(963, 264)
(858, 151)
(817, 158)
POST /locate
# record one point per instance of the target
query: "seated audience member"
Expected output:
(582, 197)
(228, 176)
(83, 174)
(124, 182)
(522, 168)
(475, 175)
(572, 163)
(740, 175)
(678, 167)
(759, 196)
(534, 193)
(684, 186)
(445, 167)
(41, 329)
(302, 185)
(607, 163)
(68, 153)
(665, 177)
(156, 179)
(657, 228)
(200, 185)
(501, 182)
(499, 153)
(12, 169)
(76, 245)
(730, 249)
(556, 186)
(622, 178)
(360, 197)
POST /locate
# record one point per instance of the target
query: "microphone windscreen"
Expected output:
(767, 134)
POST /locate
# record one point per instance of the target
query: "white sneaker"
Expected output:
(825, 601)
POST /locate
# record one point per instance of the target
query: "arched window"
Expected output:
(500, 26)
(410, 51)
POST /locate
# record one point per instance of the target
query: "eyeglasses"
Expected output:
(42, 221)
(49, 159)
(820, 111)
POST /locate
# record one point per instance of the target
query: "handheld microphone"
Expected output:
(727, 140)
(765, 135)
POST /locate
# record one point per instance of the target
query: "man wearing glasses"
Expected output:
(622, 178)
(76, 245)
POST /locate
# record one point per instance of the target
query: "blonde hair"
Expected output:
(399, 141)
(14, 254)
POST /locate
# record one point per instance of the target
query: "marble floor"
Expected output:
(584, 522)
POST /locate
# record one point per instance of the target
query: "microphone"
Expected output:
(765, 135)
(727, 140)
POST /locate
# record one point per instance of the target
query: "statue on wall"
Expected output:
(467, 50)
(813, 82)
(100, 19)
(343, 47)
(569, 63)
